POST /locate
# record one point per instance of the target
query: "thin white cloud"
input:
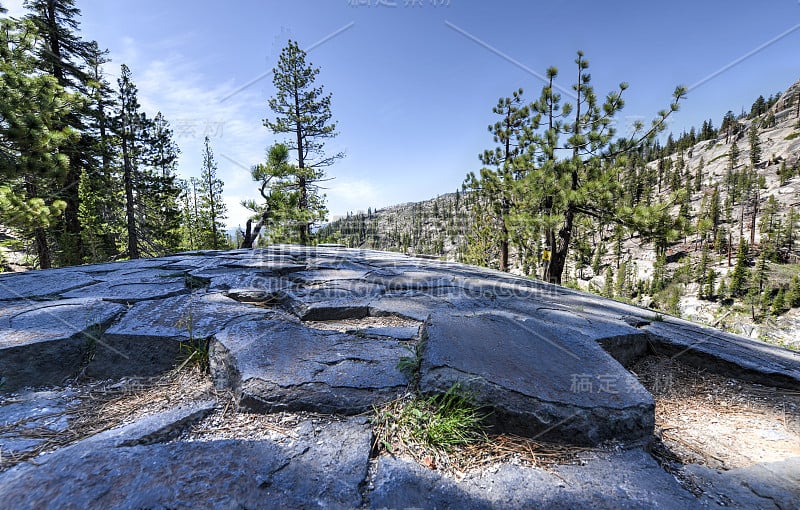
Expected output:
(190, 101)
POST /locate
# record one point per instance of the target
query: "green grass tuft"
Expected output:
(429, 426)
(195, 352)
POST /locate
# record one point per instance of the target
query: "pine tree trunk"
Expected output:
(214, 240)
(39, 235)
(730, 247)
(130, 217)
(42, 250)
(73, 254)
(504, 247)
(251, 234)
(560, 249)
(72, 222)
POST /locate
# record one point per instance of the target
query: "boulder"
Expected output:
(539, 378)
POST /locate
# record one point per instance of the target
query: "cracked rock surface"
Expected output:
(326, 331)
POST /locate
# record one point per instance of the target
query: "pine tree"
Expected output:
(608, 285)
(784, 174)
(729, 125)
(698, 176)
(599, 251)
(497, 185)
(586, 183)
(702, 268)
(279, 191)
(765, 301)
(159, 212)
(778, 304)
(793, 295)
(33, 133)
(302, 111)
(212, 208)
(760, 272)
(733, 163)
(790, 229)
(659, 274)
(62, 53)
(710, 282)
(190, 214)
(759, 107)
(128, 125)
(100, 198)
(740, 271)
(755, 145)
(722, 290)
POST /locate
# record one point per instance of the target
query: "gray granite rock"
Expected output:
(548, 361)
(336, 300)
(27, 418)
(322, 468)
(629, 479)
(44, 342)
(768, 485)
(133, 289)
(539, 378)
(275, 365)
(147, 340)
(727, 353)
(398, 332)
(42, 284)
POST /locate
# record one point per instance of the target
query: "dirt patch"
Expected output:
(80, 411)
(346, 325)
(716, 421)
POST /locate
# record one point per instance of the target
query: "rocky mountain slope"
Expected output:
(439, 228)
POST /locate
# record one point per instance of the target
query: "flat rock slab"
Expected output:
(44, 342)
(277, 365)
(540, 379)
(629, 479)
(767, 485)
(133, 289)
(42, 284)
(342, 299)
(320, 469)
(31, 417)
(147, 340)
(734, 355)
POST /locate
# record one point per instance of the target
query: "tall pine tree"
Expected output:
(303, 112)
(34, 135)
(212, 210)
(62, 53)
(505, 166)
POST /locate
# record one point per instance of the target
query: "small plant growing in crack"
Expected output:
(92, 332)
(411, 366)
(428, 428)
(194, 350)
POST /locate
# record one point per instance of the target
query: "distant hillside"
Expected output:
(622, 265)
(436, 227)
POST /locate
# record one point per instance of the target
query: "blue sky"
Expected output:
(413, 84)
